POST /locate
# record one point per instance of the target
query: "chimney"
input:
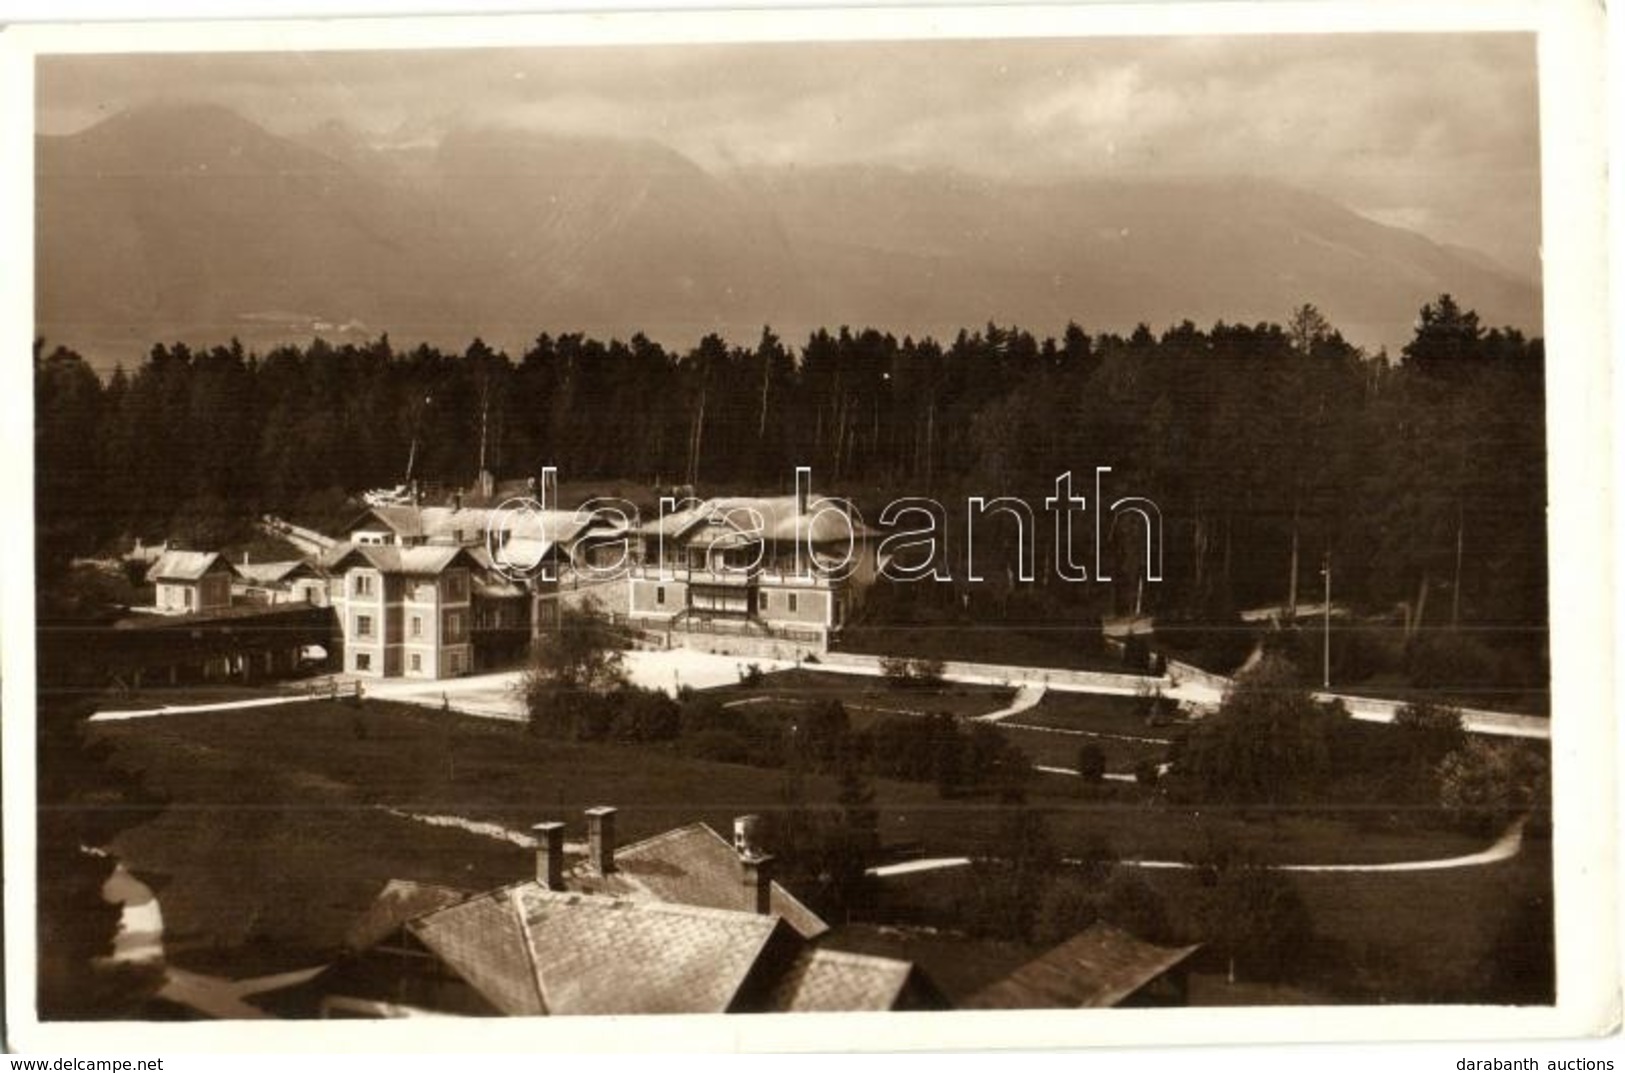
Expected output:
(758, 882)
(601, 839)
(550, 855)
(745, 835)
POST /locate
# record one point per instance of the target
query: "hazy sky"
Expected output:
(1435, 132)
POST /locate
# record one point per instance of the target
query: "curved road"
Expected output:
(1509, 845)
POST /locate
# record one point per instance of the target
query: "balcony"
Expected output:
(732, 577)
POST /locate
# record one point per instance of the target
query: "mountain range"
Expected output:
(191, 222)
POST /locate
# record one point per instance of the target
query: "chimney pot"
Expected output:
(550, 855)
(601, 839)
(745, 835)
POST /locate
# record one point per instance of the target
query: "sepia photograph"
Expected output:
(627, 520)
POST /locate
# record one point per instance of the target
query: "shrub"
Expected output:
(1259, 921)
(1268, 743)
(1433, 731)
(751, 675)
(1485, 784)
(1146, 772)
(901, 672)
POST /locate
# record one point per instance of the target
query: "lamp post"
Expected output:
(1326, 639)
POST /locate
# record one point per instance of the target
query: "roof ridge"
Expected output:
(516, 907)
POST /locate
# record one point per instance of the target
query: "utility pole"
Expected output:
(1326, 673)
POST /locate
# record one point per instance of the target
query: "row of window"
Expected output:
(456, 586)
(454, 662)
(454, 626)
(792, 605)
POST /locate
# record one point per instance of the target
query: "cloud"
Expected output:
(1437, 129)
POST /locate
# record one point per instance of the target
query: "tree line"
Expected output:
(1267, 447)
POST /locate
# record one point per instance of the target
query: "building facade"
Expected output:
(191, 582)
(404, 612)
(782, 568)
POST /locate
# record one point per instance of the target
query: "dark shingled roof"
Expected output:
(833, 980)
(483, 940)
(696, 866)
(391, 559)
(1098, 967)
(185, 565)
(777, 518)
(529, 950)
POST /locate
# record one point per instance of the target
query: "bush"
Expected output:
(751, 675)
(1259, 921)
(1092, 762)
(1268, 743)
(1432, 731)
(1147, 772)
(1484, 785)
(901, 672)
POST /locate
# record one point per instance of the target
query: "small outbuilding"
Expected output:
(191, 582)
(1101, 966)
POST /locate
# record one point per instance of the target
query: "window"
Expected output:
(660, 595)
(417, 663)
(793, 601)
(188, 590)
(362, 585)
(761, 600)
(455, 664)
(363, 661)
(456, 587)
(363, 625)
(454, 627)
(417, 625)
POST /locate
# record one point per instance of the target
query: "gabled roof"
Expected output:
(483, 940)
(402, 521)
(390, 559)
(186, 565)
(833, 980)
(400, 901)
(469, 524)
(529, 950)
(1099, 967)
(695, 866)
(777, 518)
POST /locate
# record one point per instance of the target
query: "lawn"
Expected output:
(274, 839)
(137, 699)
(1055, 749)
(1469, 935)
(1094, 712)
(862, 694)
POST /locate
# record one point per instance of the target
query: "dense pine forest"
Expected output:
(1267, 447)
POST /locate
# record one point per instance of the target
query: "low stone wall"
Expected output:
(998, 674)
(746, 646)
